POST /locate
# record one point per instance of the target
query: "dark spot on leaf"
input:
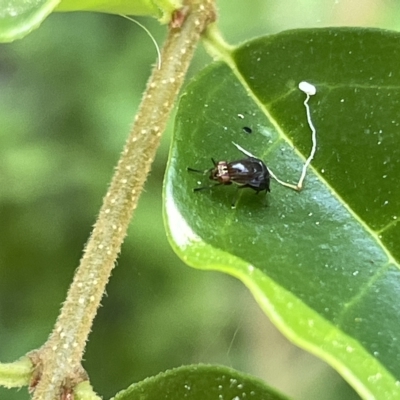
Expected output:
(247, 129)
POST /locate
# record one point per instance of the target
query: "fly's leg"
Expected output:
(206, 187)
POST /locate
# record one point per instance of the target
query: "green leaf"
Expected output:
(323, 263)
(202, 382)
(19, 17)
(161, 9)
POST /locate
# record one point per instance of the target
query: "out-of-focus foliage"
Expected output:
(18, 18)
(68, 93)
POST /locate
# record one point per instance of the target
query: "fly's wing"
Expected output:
(250, 172)
(240, 171)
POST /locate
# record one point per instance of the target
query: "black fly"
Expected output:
(250, 172)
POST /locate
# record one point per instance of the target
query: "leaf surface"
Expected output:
(199, 382)
(155, 8)
(20, 17)
(322, 263)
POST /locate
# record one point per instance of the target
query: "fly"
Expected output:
(250, 172)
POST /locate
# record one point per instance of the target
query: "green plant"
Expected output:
(321, 263)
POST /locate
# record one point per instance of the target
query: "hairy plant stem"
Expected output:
(59, 360)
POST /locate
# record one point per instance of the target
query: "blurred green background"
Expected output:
(68, 94)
